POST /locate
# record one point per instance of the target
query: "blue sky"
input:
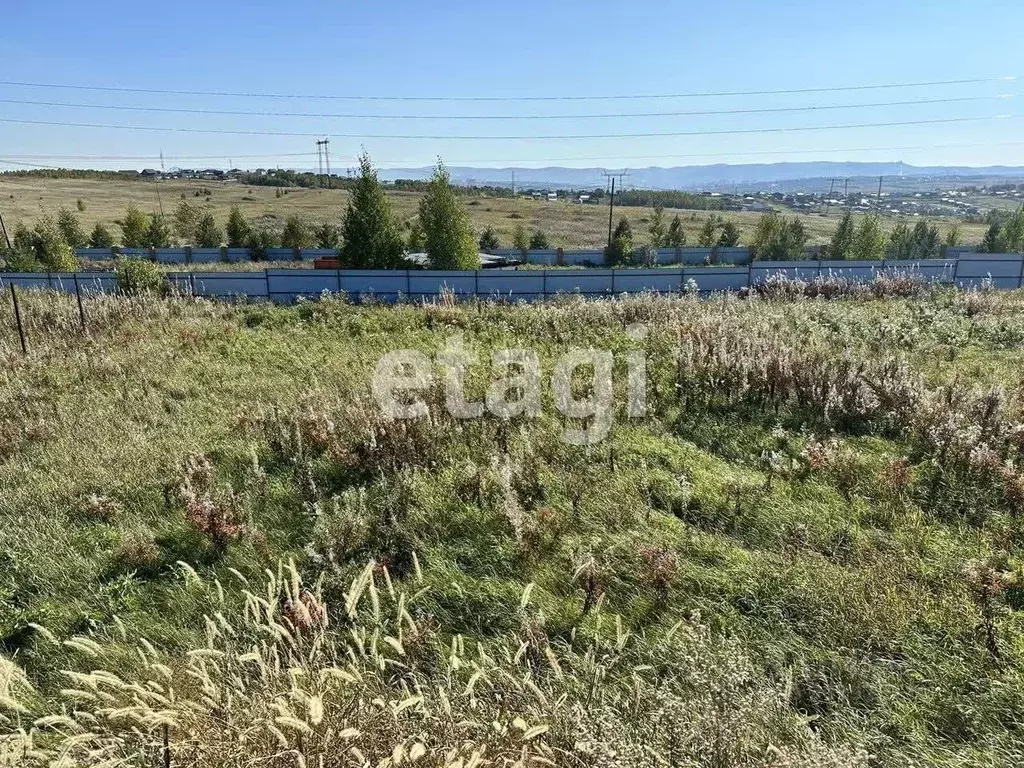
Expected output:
(523, 49)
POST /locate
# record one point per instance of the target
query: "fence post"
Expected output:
(167, 747)
(81, 309)
(17, 317)
(1020, 276)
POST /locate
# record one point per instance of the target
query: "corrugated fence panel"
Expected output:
(929, 270)
(236, 255)
(318, 253)
(732, 255)
(717, 278)
(586, 281)
(382, 283)
(28, 280)
(285, 285)
(135, 253)
(577, 258)
(171, 255)
(696, 255)
(206, 255)
(431, 283)
(862, 271)
(659, 280)
(230, 284)
(989, 264)
(794, 270)
(548, 256)
(526, 284)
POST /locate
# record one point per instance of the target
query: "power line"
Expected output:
(604, 116)
(549, 137)
(602, 97)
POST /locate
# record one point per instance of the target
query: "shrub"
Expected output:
(238, 231)
(778, 239)
(489, 240)
(138, 276)
(134, 228)
(326, 235)
(539, 241)
(207, 233)
(71, 229)
(296, 233)
(80, 204)
(101, 237)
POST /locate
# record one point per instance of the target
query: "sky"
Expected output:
(541, 67)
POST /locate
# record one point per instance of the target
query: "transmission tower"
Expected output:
(323, 159)
(611, 199)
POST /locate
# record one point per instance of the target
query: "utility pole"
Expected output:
(611, 200)
(846, 193)
(323, 159)
(828, 202)
(880, 192)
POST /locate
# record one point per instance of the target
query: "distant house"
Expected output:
(584, 199)
(552, 197)
(150, 173)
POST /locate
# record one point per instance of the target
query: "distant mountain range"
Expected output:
(719, 177)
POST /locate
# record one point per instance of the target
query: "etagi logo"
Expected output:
(400, 376)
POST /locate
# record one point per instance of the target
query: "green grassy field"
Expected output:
(804, 554)
(567, 225)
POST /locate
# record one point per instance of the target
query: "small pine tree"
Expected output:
(520, 240)
(842, 241)
(101, 237)
(708, 235)
(489, 240)
(992, 242)
(954, 237)
(657, 226)
(207, 233)
(539, 241)
(729, 237)
(868, 241)
(676, 237)
(238, 231)
(776, 239)
(134, 228)
(71, 229)
(51, 249)
(80, 204)
(621, 249)
(186, 221)
(327, 235)
(296, 233)
(450, 242)
(158, 235)
(371, 239)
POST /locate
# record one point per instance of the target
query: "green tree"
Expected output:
(1013, 233)
(657, 226)
(621, 249)
(134, 227)
(326, 235)
(370, 237)
(158, 234)
(296, 233)
(238, 231)
(676, 237)
(51, 249)
(80, 203)
(520, 240)
(101, 237)
(207, 233)
(489, 240)
(992, 242)
(539, 241)
(708, 234)
(954, 237)
(450, 242)
(71, 229)
(262, 237)
(778, 239)
(842, 241)
(868, 241)
(729, 237)
(900, 245)
(186, 221)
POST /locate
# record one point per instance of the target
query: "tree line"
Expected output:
(369, 236)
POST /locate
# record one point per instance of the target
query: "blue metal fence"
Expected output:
(1004, 271)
